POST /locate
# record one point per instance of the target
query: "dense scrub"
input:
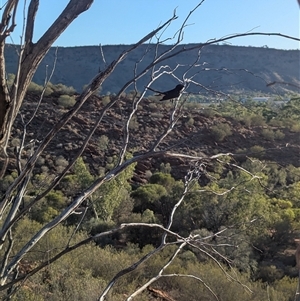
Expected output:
(255, 201)
(258, 244)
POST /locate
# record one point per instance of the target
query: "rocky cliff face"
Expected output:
(221, 67)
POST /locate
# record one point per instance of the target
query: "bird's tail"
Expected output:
(160, 93)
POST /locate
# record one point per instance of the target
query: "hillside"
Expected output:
(221, 67)
(192, 135)
(261, 217)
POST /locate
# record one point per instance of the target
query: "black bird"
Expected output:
(174, 93)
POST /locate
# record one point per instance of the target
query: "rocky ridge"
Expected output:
(221, 67)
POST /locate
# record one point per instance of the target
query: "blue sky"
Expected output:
(126, 21)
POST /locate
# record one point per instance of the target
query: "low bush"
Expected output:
(257, 151)
(279, 135)
(257, 120)
(34, 88)
(295, 128)
(221, 131)
(103, 142)
(66, 101)
(246, 120)
(268, 134)
(106, 100)
(209, 112)
(276, 123)
(63, 90)
(157, 115)
(271, 135)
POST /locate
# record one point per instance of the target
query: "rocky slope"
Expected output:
(192, 135)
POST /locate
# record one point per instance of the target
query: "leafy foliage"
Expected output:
(221, 131)
(66, 101)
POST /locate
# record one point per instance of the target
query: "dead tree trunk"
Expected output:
(30, 56)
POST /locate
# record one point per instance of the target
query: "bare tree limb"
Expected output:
(32, 10)
(34, 53)
(94, 84)
(90, 239)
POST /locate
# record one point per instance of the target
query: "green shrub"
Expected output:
(221, 131)
(241, 150)
(271, 135)
(148, 193)
(43, 212)
(269, 273)
(257, 151)
(218, 133)
(66, 101)
(284, 288)
(106, 100)
(276, 123)
(209, 112)
(103, 142)
(257, 120)
(165, 168)
(133, 94)
(10, 79)
(287, 123)
(61, 161)
(5, 182)
(157, 115)
(56, 199)
(246, 120)
(15, 142)
(164, 179)
(279, 135)
(44, 169)
(40, 161)
(35, 88)
(295, 128)
(153, 107)
(268, 134)
(63, 90)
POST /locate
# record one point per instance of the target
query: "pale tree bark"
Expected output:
(22, 180)
(31, 56)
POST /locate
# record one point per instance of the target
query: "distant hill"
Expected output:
(242, 68)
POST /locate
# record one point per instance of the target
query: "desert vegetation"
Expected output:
(113, 197)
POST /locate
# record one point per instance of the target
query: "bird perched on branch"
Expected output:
(174, 93)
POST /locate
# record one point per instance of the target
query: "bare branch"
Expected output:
(33, 56)
(159, 275)
(10, 9)
(91, 239)
(32, 10)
